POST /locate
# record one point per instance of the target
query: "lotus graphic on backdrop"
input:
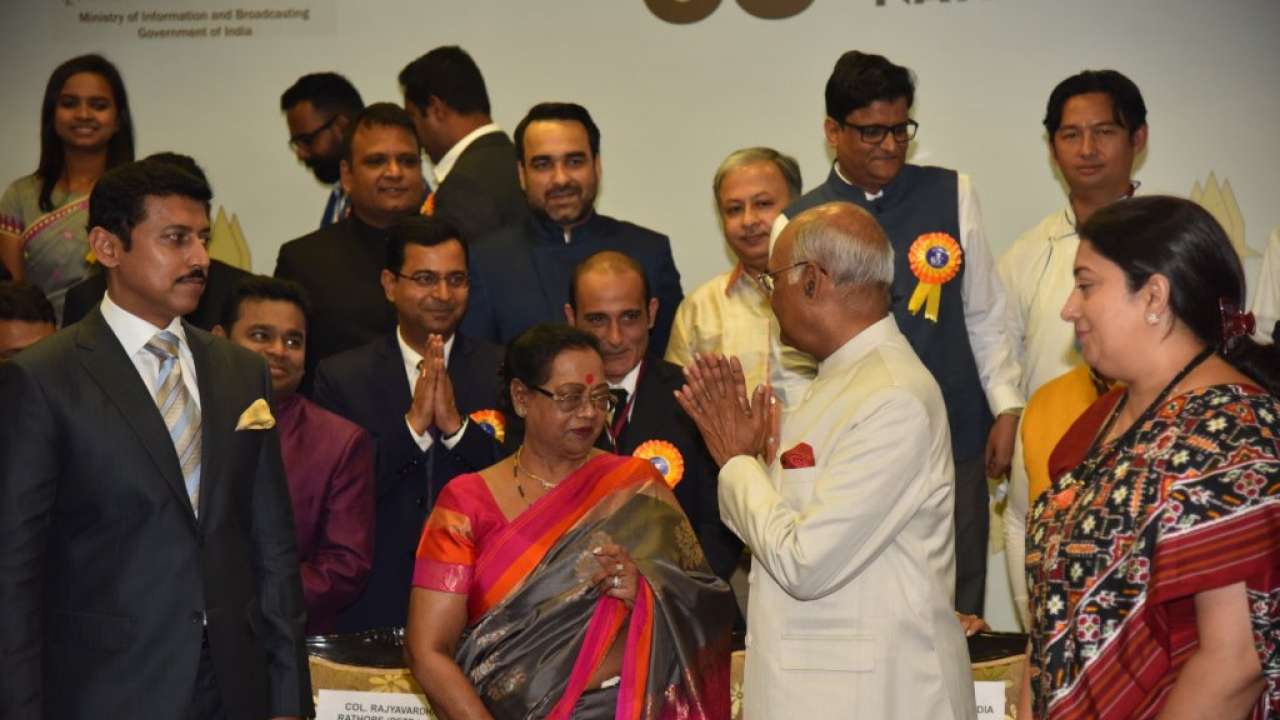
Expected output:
(1220, 201)
(227, 243)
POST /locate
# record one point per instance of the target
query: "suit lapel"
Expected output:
(104, 358)
(213, 415)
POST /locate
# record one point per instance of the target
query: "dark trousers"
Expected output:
(206, 701)
(972, 525)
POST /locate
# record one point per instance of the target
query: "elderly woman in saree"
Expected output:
(565, 581)
(1153, 560)
(85, 130)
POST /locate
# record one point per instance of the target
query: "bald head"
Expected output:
(610, 299)
(845, 241)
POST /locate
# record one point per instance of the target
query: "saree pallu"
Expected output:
(55, 243)
(1119, 546)
(538, 628)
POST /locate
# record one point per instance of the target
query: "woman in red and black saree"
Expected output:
(565, 582)
(1153, 561)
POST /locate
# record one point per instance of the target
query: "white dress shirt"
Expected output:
(442, 168)
(1266, 301)
(134, 333)
(411, 360)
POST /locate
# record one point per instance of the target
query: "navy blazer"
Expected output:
(520, 275)
(368, 386)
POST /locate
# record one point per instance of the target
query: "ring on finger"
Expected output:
(617, 581)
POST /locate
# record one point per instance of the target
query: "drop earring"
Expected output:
(1152, 318)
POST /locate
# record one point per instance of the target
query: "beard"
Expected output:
(327, 170)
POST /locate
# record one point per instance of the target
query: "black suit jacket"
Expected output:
(86, 294)
(368, 386)
(339, 265)
(520, 275)
(106, 571)
(482, 192)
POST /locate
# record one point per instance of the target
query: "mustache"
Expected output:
(565, 188)
(195, 274)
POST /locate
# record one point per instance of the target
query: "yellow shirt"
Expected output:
(1049, 414)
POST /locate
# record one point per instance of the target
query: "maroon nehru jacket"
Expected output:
(329, 464)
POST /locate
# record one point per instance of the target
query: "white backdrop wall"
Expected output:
(673, 100)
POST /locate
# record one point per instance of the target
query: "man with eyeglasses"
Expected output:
(328, 460)
(427, 394)
(610, 299)
(339, 264)
(946, 295)
(317, 109)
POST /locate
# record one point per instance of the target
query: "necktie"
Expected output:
(618, 418)
(179, 411)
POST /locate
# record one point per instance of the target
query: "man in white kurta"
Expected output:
(851, 527)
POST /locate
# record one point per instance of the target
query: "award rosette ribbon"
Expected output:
(935, 259)
(492, 422)
(665, 457)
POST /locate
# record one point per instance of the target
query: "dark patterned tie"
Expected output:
(179, 411)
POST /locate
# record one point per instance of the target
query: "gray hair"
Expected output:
(847, 242)
(786, 165)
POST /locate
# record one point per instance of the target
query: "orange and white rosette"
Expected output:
(492, 422)
(429, 205)
(935, 259)
(665, 457)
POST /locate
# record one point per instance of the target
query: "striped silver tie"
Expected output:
(179, 411)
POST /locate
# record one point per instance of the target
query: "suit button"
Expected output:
(197, 617)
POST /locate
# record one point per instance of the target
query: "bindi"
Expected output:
(590, 379)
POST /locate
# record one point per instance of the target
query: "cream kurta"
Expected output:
(853, 559)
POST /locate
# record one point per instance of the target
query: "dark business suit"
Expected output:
(482, 193)
(369, 387)
(340, 266)
(105, 571)
(520, 274)
(219, 286)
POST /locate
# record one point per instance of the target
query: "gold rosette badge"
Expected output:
(492, 422)
(934, 259)
(665, 457)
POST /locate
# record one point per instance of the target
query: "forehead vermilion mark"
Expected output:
(590, 378)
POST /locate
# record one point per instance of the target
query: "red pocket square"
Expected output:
(800, 456)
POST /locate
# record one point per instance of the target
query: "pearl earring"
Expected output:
(1152, 318)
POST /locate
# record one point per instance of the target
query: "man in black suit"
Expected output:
(219, 283)
(149, 564)
(611, 300)
(475, 173)
(521, 273)
(426, 393)
(339, 264)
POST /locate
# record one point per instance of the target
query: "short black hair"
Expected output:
(184, 162)
(419, 230)
(326, 91)
(380, 114)
(860, 79)
(447, 73)
(530, 356)
(262, 287)
(23, 302)
(562, 112)
(611, 260)
(118, 201)
(1127, 106)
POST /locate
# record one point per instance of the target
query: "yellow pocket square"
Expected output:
(256, 417)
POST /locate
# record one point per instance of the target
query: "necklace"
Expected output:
(515, 471)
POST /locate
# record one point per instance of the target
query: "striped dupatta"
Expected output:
(538, 628)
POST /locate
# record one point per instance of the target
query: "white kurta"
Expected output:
(853, 559)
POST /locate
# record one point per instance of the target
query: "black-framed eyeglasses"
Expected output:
(573, 400)
(428, 280)
(768, 279)
(304, 140)
(875, 134)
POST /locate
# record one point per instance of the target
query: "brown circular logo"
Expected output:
(683, 12)
(775, 9)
